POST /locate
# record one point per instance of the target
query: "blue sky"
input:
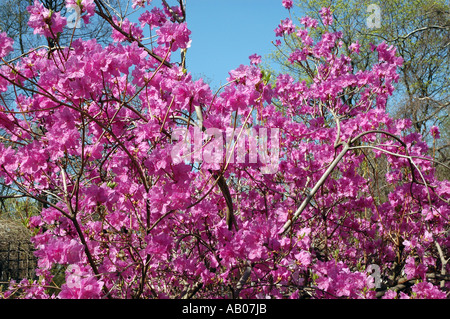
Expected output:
(226, 32)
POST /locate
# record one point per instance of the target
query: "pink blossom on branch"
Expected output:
(130, 28)
(174, 35)
(141, 3)
(44, 21)
(354, 47)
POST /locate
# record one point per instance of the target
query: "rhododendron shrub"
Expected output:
(92, 133)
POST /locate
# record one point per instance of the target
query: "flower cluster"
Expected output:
(336, 280)
(90, 136)
(288, 4)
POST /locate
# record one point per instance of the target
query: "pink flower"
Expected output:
(309, 22)
(434, 130)
(96, 194)
(50, 215)
(303, 257)
(87, 8)
(175, 35)
(426, 290)
(287, 4)
(337, 279)
(44, 21)
(140, 3)
(154, 18)
(255, 59)
(298, 55)
(390, 294)
(124, 216)
(175, 9)
(130, 28)
(388, 54)
(285, 27)
(6, 44)
(306, 39)
(35, 221)
(414, 271)
(354, 47)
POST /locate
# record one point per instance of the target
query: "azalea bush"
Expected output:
(152, 186)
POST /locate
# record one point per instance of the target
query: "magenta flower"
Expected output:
(303, 258)
(325, 14)
(95, 133)
(140, 3)
(354, 47)
(426, 290)
(306, 39)
(309, 22)
(414, 271)
(80, 285)
(154, 18)
(44, 21)
(298, 55)
(287, 4)
(255, 59)
(87, 8)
